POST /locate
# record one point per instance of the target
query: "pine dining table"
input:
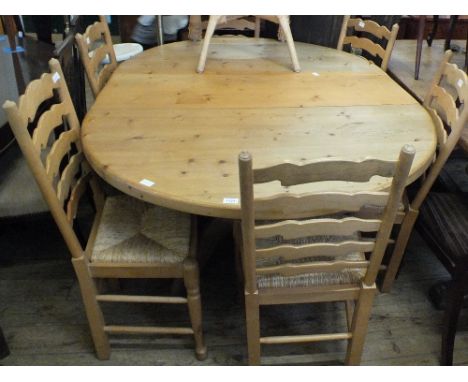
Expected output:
(163, 133)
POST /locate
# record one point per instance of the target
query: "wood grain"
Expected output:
(158, 119)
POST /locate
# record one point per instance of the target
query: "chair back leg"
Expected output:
(455, 296)
(359, 324)
(92, 308)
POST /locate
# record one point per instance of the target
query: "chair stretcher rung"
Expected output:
(142, 299)
(146, 330)
(307, 338)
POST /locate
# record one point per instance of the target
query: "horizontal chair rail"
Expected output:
(305, 338)
(137, 270)
(292, 252)
(141, 299)
(118, 329)
(291, 229)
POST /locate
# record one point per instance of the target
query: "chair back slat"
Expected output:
(59, 150)
(366, 44)
(292, 229)
(34, 95)
(319, 266)
(290, 204)
(69, 176)
(290, 174)
(294, 252)
(47, 123)
(458, 79)
(104, 76)
(445, 105)
(76, 193)
(95, 31)
(439, 126)
(92, 56)
(371, 27)
(98, 55)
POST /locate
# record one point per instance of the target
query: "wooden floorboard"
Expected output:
(43, 319)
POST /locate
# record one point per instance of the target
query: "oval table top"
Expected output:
(163, 133)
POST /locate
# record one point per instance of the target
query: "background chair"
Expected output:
(213, 21)
(128, 238)
(445, 102)
(321, 258)
(100, 56)
(364, 43)
(95, 45)
(443, 223)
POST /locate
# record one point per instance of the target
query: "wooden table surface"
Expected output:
(158, 120)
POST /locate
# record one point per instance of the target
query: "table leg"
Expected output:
(435, 23)
(4, 351)
(453, 23)
(419, 42)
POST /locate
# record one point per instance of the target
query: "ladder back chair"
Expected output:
(445, 102)
(284, 34)
(197, 26)
(97, 54)
(128, 238)
(364, 43)
(308, 258)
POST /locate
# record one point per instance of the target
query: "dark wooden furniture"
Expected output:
(4, 350)
(16, 70)
(68, 55)
(443, 223)
(448, 35)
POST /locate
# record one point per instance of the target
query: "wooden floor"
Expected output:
(43, 319)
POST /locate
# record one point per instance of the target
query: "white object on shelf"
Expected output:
(127, 50)
(123, 51)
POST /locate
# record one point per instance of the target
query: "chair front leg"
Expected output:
(212, 22)
(93, 310)
(361, 316)
(191, 280)
(252, 313)
(284, 24)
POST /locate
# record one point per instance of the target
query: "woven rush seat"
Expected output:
(445, 217)
(132, 231)
(346, 276)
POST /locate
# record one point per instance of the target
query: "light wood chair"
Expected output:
(283, 22)
(309, 259)
(364, 43)
(445, 102)
(97, 54)
(197, 26)
(128, 239)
